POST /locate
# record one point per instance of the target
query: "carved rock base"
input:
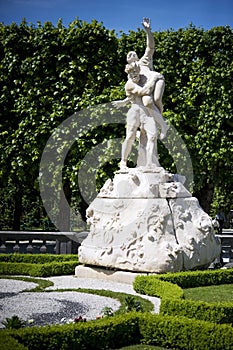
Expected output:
(145, 221)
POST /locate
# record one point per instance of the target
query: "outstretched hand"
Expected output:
(146, 23)
(120, 103)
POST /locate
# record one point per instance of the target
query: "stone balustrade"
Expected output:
(40, 242)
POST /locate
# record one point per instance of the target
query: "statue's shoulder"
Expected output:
(130, 85)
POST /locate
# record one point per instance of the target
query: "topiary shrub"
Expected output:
(152, 285)
(191, 279)
(107, 333)
(200, 310)
(37, 258)
(183, 333)
(38, 270)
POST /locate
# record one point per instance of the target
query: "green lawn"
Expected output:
(210, 294)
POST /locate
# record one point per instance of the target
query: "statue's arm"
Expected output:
(150, 43)
(135, 89)
(121, 103)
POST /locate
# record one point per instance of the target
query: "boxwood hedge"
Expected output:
(171, 294)
(37, 264)
(124, 330)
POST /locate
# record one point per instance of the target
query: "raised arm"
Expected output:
(147, 58)
(150, 43)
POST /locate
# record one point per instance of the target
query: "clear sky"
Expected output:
(122, 15)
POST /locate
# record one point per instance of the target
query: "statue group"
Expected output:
(145, 220)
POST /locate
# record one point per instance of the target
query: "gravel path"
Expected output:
(59, 307)
(66, 282)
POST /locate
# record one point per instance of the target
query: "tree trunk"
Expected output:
(64, 209)
(205, 196)
(17, 211)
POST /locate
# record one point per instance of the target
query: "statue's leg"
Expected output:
(133, 123)
(158, 94)
(151, 147)
(159, 119)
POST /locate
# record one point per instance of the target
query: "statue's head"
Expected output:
(133, 71)
(132, 57)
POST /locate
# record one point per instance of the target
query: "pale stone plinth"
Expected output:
(145, 221)
(104, 274)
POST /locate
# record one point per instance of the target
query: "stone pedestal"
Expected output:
(145, 220)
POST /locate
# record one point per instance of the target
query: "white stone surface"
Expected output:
(144, 221)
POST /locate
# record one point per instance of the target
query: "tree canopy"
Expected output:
(47, 73)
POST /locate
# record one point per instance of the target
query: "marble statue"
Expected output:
(144, 219)
(144, 90)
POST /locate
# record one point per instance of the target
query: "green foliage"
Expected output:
(38, 264)
(168, 288)
(132, 328)
(183, 333)
(14, 323)
(109, 332)
(191, 279)
(200, 310)
(152, 285)
(131, 304)
(49, 72)
(8, 342)
(37, 258)
(38, 270)
(107, 311)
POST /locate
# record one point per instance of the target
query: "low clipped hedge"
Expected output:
(212, 312)
(171, 294)
(8, 342)
(183, 333)
(119, 331)
(152, 285)
(37, 265)
(107, 333)
(192, 279)
(38, 270)
(37, 258)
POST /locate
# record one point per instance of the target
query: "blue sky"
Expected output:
(122, 14)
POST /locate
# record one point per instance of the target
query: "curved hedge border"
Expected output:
(37, 265)
(116, 332)
(171, 297)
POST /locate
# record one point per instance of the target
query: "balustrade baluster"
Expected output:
(3, 246)
(43, 248)
(16, 247)
(29, 247)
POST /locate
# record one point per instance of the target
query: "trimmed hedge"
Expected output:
(171, 296)
(183, 333)
(200, 310)
(116, 332)
(38, 270)
(38, 265)
(191, 279)
(8, 342)
(107, 333)
(37, 258)
(151, 285)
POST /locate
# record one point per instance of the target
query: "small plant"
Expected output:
(132, 304)
(107, 311)
(14, 323)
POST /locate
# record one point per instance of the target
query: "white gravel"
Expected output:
(15, 286)
(60, 307)
(66, 282)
